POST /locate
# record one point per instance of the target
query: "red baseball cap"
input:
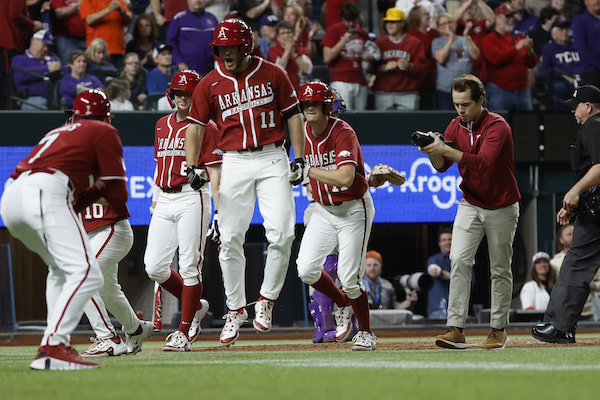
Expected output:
(505, 9)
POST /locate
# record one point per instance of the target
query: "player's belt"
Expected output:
(259, 148)
(175, 189)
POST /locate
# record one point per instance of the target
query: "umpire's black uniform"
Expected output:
(583, 257)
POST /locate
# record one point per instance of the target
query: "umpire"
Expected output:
(583, 257)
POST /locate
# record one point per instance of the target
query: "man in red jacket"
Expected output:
(508, 58)
(484, 152)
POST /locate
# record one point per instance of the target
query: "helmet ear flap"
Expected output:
(171, 97)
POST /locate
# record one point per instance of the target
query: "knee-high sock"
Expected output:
(174, 285)
(361, 310)
(326, 286)
(189, 305)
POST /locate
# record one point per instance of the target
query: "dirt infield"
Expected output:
(426, 342)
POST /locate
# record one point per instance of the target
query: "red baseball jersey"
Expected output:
(247, 107)
(97, 215)
(336, 146)
(347, 66)
(169, 150)
(408, 48)
(85, 151)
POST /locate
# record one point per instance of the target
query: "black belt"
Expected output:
(259, 148)
(175, 189)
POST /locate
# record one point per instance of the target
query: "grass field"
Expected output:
(545, 373)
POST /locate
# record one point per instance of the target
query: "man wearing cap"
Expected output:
(561, 62)
(402, 59)
(267, 33)
(36, 59)
(157, 80)
(190, 33)
(583, 257)
(508, 57)
(586, 34)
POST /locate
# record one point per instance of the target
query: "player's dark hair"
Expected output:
(547, 13)
(469, 82)
(350, 11)
(284, 25)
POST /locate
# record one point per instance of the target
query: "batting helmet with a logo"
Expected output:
(317, 91)
(91, 103)
(233, 32)
(186, 79)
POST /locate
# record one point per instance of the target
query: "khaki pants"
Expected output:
(472, 223)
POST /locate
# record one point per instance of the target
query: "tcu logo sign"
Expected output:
(223, 33)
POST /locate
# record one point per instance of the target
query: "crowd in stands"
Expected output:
(530, 56)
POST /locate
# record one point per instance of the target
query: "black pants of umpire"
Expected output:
(577, 271)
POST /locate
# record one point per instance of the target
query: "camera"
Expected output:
(421, 139)
(419, 281)
(352, 31)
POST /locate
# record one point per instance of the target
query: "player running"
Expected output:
(343, 215)
(251, 100)
(181, 213)
(38, 209)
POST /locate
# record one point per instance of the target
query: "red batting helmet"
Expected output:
(91, 103)
(186, 79)
(318, 91)
(233, 32)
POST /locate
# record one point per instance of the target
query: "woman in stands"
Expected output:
(78, 80)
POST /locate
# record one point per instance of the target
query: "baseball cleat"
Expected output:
(230, 332)
(177, 341)
(364, 341)
(546, 332)
(264, 316)
(452, 339)
(60, 358)
(497, 339)
(106, 347)
(195, 328)
(343, 320)
(134, 342)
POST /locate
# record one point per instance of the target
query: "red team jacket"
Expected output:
(409, 48)
(169, 150)
(247, 107)
(347, 66)
(336, 146)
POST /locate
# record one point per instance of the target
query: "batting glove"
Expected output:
(213, 232)
(196, 177)
(298, 171)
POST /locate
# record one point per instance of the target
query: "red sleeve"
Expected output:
(492, 145)
(109, 153)
(115, 192)
(419, 60)
(331, 37)
(495, 53)
(347, 148)
(18, 13)
(200, 111)
(448, 135)
(209, 153)
(286, 94)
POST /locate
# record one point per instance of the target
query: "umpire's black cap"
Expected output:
(584, 94)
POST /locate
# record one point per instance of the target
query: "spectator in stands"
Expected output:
(563, 8)
(381, 292)
(466, 15)
(68, 28)
(586, 35)
(524, 21)
(132, 73)
(565, 239)
(171, 8)
(508, 57)
(220, 8)
(561, 64)
(438, 266)
(107, 19)
(344, 51)
(304, 31)
(267, 33)
(253, 10)
(36, 59)
(541, 32)
(454, 57)
(98, 61)
(419, 24)
(15, 29)
(190, 34)
(535, 294)
(158, 79)
(402, 59)
(119, 94)
(290, 56)
(78, 80)
(145, 33)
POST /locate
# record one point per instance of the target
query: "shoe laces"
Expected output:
(494, 333)
(176, 338)
(265, 308)
(233, 320)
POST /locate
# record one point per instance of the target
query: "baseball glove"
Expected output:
(382, 173)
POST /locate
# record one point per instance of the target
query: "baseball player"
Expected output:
(251, 100)
(181, 213)
(84, 161)
(343, 216)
